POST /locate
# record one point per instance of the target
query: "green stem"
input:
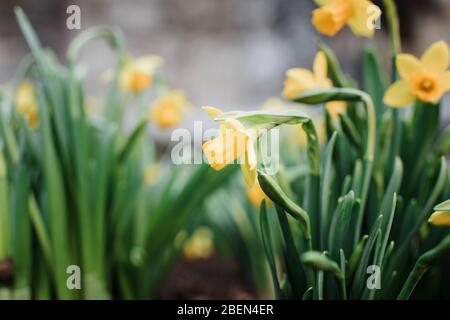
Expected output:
(422, 265)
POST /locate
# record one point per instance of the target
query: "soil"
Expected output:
(212, 278)
(6, 271)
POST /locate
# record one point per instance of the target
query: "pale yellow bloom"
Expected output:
(426, 79)
(138, 74)
(333, 15)
(152, 173)
(26, 103)
(440, 219)
(168, 110)
(255, 194)
(299, 80)
(234, 141)
(200, 245)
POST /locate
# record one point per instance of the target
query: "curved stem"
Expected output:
(422, 265)
(112, 37)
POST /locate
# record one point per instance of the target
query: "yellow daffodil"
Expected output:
(26, 103)
(169, 109)
(137, 75)
(200, 245)
(152, 173)
(333, 15)
(440, 219)
(234, 141)
(299, 80)
(255, 194)
(426, 79)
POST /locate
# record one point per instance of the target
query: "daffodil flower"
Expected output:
(138, 74)
(200, 245)
(169, 109)
(151, 174)
(255, 194)
(333, 15)
(26, 103)
(299, 80)
(234, 141)
(426, 79)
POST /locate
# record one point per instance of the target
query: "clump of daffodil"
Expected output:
(200, 245)
(426, 79)
(441, 215)
(26, 103)
(255, 194)
(234, 142)
(138, 74)
(169, 109)
(299, 80)
(333, 15)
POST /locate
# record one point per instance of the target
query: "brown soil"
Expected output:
(6, 271)
(212, 278)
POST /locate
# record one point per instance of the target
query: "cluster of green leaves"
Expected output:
(72, 191)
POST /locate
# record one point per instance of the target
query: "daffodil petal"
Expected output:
(212, 112)
(363, 12)
(297, 81)
(320, 66)
(147, 64)
(398, 95)
(440, 219)
(336, 108)
(323, 2)
(436, 58)
(407, 65)
(445, 81)
(248, 165)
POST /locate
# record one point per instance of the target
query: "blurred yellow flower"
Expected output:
(169, 109)
(336, 108)
(299, 80)
(255, 194)
(234, 141)
(333, 15)
(440, 219)
(137, 75)
(275, 104)
(200, 245)
(426, 79)
(26, 103)
(152, 173)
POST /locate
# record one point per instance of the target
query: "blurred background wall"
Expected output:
(227, 53)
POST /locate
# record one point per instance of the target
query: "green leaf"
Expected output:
(267, 244)
(325, 185)
(374, 82)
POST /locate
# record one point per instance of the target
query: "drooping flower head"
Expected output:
(426, 79)
(233, 142)
(333, 15)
